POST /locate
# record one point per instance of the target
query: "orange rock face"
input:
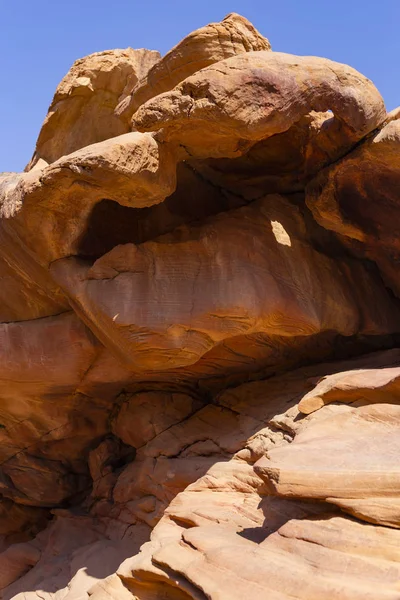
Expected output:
(200, 318)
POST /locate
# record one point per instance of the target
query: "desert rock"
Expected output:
(346, 203)
(199, 336)
(203, 47)
(82, 110)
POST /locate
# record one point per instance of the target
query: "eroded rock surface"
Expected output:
(82, 110)
(200, 328)
(203, 47)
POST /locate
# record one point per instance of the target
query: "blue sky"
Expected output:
(40, 40)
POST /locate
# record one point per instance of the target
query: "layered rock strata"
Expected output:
(200, 319)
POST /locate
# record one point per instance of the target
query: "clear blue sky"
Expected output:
(40, 39)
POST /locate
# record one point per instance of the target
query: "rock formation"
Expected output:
(200, 319)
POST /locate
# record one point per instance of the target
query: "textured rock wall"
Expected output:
(200, 319)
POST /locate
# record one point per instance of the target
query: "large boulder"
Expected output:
(201, 48)
(82, 110)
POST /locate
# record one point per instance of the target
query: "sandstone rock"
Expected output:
(19, 523)
(43, 356)
(213, 562)
(213, 526)
(207, 280)
(394, 114)
(46, 424)
(74, 557)
(199, 331)
(27, 292)
(132, 169)
(346, 204)
(82, 110)
(210, 522)
(144, 416)
(111, 224)
(281, 163)
(362, 385)
(358, 445)
(223, 110)
(16, 561)
(203, 47)
(231, 496)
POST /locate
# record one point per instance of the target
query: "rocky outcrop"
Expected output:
(82, 110)
(199, 285)
(287, 533)
(344, 197)
(201, 48)
(200, 319)
(224, 109)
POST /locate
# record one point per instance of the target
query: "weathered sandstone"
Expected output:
(199, 332)
(344, 198)
(82, 110)
(203, 47)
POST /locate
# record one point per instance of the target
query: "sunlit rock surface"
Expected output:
(200, 329)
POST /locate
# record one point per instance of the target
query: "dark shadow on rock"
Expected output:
(97, 559)
(278, 511)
